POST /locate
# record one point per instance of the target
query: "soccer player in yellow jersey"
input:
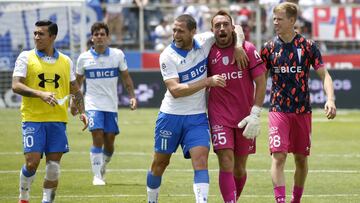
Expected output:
(46, 79)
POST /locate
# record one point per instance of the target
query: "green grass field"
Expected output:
(334, 174)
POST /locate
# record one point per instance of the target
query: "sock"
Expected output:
(240, 183)
(279, 192)
(227, 186)
(297, 193)
(26, 178)
(106, 159)
(201, 185)
(107, 156)
(153, 185)
(48, 194)
(96, 159)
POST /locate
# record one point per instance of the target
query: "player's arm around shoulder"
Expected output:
(178, 89)
(329, 107)
(240, 56)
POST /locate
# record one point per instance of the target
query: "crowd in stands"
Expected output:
(122, 16)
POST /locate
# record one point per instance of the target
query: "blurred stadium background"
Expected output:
(135, 25)
(333, 24)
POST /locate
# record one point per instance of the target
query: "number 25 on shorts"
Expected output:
(218, 139)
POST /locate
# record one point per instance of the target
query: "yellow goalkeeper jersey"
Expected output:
(48, 77)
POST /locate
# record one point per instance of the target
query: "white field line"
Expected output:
(138, 170)
(178, 195)
(180, 154)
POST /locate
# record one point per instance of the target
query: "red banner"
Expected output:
(342, 61)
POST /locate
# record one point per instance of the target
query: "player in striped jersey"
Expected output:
(289, 57)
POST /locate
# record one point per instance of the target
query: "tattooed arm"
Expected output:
(78, 100)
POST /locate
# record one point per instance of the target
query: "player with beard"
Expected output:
(233, 104)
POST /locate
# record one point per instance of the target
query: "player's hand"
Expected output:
(85, 120)
(252, 123)
(49, 98)
(133, 103)
(215, 81)
(240, 58)
(73, 109)
(330, 109)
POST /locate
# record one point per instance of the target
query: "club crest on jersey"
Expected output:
(225, 60)
(299, 54)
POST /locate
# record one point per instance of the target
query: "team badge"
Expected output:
(225, 60)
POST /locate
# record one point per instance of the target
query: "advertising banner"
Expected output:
(336, 23)
(150, 90)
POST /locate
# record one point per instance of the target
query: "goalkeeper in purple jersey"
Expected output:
(229, 105)
(288, 58)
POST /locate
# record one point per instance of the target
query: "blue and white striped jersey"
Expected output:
(101, 72)
(188, 66)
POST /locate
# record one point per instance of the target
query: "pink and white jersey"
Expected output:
(229, 105)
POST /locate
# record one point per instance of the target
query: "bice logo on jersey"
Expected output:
(287, 69)
(48, 80)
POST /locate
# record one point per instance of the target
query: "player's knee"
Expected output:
(52, 171)
(300, 161)
(31, 166)
(279, 158)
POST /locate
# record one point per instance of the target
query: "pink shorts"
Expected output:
(290, 133)
(232, 138)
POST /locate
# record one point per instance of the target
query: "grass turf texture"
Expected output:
(334, 164)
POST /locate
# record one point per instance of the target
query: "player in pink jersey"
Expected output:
(234, 103)
(288, 58)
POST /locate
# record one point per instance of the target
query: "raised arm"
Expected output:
(240, 56)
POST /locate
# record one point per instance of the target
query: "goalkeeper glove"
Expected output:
(252, 123)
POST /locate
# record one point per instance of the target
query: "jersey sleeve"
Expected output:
(21, 64)
(315, 56)
(264, 54)
(80, 69)
(256, 64)
(167, 67)
(122, 62)
(205, 40)
(72, 70)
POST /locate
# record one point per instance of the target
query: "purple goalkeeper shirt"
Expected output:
(229, 105)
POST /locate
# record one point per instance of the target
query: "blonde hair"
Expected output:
(291, 9)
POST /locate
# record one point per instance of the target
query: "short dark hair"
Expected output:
(188, 19)
(222, 13)
(98, 26)
(52, 27)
